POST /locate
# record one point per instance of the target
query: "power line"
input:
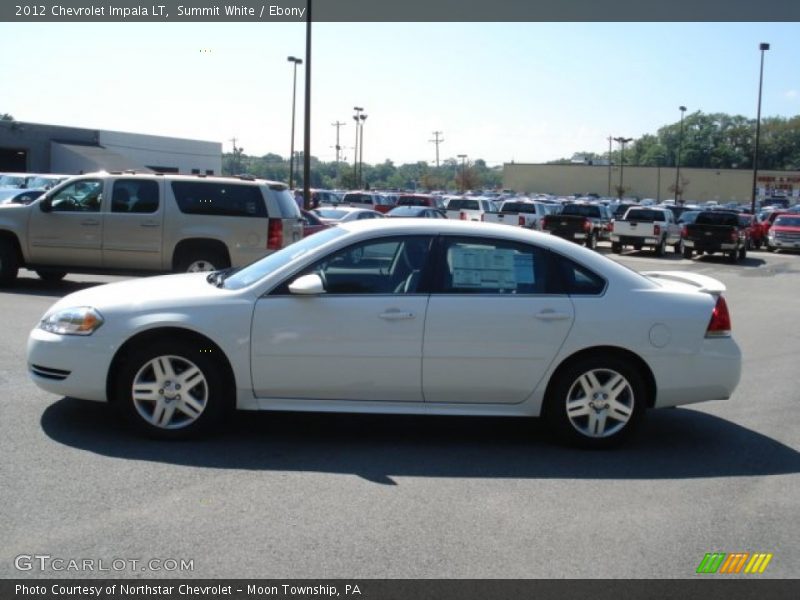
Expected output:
(437, 140)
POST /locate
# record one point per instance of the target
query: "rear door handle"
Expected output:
(551, 315)
(396, 315)
(148, 224)
(90, 222)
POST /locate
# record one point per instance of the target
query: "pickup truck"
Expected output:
(523, 213)
(716, 231)
(645, 226)
(469, 209)
(580, 223)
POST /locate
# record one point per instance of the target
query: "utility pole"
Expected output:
(338, 124)
(235, 161)
(437, 140)
(358, 110)
(610, 139)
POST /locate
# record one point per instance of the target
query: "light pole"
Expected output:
(763, 47)
(622, 141)
(358, 110)
(463, 158)
(296, 61)
(678, 160)
(363, 118)
(338, 124)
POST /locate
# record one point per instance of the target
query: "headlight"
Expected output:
(82, 320)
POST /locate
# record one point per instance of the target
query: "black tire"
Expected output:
(51, 276)
(678, 248)
(591, 241)
(757, 244)
(687, 253)
(616, 247)
(187, 410)
(661, 248)
(742, 252)
(569, 388)
(637, 247)
(770, 248)
(9, 263)
(201, 260)
(733, 255)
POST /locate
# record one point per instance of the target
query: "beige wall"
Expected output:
(723, 185)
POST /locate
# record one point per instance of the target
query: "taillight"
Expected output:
(734, 236)
(587, 225)
(544, 222)
(720, 324)
(275, 234)
(685, 232)
(462, 216)
(656, 229)
(521, 221)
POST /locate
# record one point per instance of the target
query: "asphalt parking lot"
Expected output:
(314, 496)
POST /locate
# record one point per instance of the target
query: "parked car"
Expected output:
(755, 229)
(523, 213)
(419, 212)
(434, 317)
(122, 222)
(580, 223)
(716, 231)
(646, 226)
(784, 233)
(19, 196)
(469, 209)
(312, 223)
(368, 200)
(345, 214)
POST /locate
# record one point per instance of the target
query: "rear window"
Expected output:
(412, 201)
(358, 198)
(461, 204)
(717, 218)
(283, 200)
(519, 207)
(219, 199)
(645, 216)
(583, 210)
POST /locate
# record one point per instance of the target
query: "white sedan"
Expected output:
(397, 316)
(345, 214)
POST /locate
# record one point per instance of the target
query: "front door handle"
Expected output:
(90, 222)
(551, 315)
(148, 224)
(396, 315)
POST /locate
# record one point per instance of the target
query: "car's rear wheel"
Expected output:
(51, 276)
(596, 402)
(591, 241)
(743, 253)
(733, 255)
(172, 390)
(661, 248)
(616, 247)
(687, 252)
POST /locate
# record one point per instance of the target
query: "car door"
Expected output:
(66, 229)
(133, 225)
(493, 327)
(360, 340)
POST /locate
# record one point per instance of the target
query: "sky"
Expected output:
(522, 92)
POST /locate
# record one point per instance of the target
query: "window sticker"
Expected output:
(488, 268)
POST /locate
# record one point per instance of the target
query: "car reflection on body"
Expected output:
(397, 316)
(345, 214)
(415, 212)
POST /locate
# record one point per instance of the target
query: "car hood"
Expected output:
(146, 294)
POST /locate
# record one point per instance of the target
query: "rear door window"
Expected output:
(219, 199)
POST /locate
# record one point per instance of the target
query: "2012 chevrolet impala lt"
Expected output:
(397, 316)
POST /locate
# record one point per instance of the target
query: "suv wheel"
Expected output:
(591, 241)
(9, 263)
(197, 261)
(51, 276)
(661, 248)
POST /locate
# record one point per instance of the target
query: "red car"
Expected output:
(784, 233)
(312, 223)
(755, 227)
(767, 219)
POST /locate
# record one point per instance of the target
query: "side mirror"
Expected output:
(307, 285)
(46, 205)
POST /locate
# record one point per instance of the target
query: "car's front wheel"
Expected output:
(172, 389)
(596, 402)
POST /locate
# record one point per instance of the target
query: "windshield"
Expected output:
(259, 269)
(787, 221)
(583, 210)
